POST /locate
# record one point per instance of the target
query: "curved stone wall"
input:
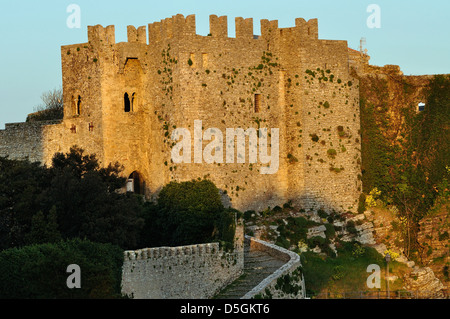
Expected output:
(285, 283)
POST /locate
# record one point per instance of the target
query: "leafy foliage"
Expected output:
(409, 170)
(75, 198)
(39, 271)
(187, 213)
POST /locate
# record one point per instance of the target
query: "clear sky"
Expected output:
(413, 34)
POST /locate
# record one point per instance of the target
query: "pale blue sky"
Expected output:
(414, 34)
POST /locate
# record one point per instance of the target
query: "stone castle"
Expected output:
(123, 101)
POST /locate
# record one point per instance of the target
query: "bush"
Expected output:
(330, 232)
(322, 213)
(332, 153)
(351, 227)
(39, 271)
(362, 203)
(248, 214)
(187, 213)
(74, 198)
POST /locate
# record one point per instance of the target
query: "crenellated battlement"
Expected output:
(101, 35)
(168, 28)
(159, 252)
(244, 28)
(138, 35)
(179, 26)
(218, 26)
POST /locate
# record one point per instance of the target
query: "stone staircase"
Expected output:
(258, 265)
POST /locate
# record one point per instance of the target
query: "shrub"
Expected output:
(292, 159)
(248, 214)
(362, 203)
(288, 204)
(322, 213)
(443, 236)
(188, 213)
(330, 231)
(358, 251)
(351, 227)
(332, 153)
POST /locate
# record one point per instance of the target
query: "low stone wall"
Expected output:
(23, 140)
(185, 272)
(285, 283)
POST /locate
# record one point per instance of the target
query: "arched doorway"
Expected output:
(135, 184)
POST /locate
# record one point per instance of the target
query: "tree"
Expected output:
(52, 107)
(44, 229)
(75, 198)
(39, 271)
(87, 202)
(188, 213)
(21, 185)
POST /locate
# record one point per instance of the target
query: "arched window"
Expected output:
(133, 102)
(127, 103)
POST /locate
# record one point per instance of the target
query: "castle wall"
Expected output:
(291, 271)
(23, 140)
(186, 272)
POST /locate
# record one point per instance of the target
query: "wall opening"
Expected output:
(205, 59)
(421, 107)
(257, 103)
(191, 60)
(78, 106)
(127, 103)
(135, 184)
(133, 102)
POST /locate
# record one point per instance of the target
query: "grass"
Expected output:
(346, 272)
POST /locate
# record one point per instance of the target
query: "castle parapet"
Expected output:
(99, 35)
(302, 29)
(308, 29)
(218, 26)
(137, 35)
(244, 28)
(171, 27)
(268, 28)
(160, 252)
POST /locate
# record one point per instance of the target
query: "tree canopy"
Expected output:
(74, 198)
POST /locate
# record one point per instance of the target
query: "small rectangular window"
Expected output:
(205, 59)
(191, 60)
(257, 103)
(421, 107)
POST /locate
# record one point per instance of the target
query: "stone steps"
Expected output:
(258, 265)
